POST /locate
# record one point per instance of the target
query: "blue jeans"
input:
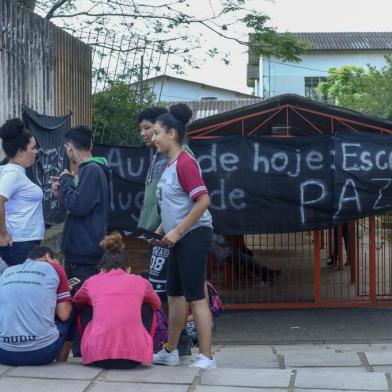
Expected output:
(43, 356)
(17, 253)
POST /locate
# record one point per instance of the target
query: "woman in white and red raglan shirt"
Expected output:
(187, 227)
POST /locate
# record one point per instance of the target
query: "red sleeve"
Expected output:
(63, 292)
(189, 176)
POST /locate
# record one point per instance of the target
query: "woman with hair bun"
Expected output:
(21, 216)
(118, 336)
(187, 228)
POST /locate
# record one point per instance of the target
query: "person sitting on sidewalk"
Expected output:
(119, 336)
(35, 310)
(227, 249)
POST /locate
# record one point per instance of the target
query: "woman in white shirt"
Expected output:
(21, 216)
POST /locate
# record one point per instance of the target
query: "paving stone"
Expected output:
(254, 347)
(330, 379)
(57, 370)
(328, 390)
(359, 347)
(247, 377)
(13, 384)
(299, 347)
(320, 358)
(332, 369)
(382, 368)
(380, 358)
(210, 388)
(155, 374)
(3, 369)
(251, 359)
(134, 387)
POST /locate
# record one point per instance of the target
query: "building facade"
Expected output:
(271, 77)
(169, 89)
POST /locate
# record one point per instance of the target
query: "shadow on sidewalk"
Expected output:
(304, 326)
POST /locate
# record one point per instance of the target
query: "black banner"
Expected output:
(129, 167)
(51, 159)
(271, 185)
(256, 184)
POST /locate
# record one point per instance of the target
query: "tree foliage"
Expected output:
(365, 90)
(168, 26)
(115, 111)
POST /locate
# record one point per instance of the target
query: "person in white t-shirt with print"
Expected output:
(187, 227)
(21, 215)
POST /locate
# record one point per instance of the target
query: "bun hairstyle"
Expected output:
(15, 137)
(181, 112)
(114, 256)
(177, 118)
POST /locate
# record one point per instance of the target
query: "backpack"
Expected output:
(216, 305)
(161, 331)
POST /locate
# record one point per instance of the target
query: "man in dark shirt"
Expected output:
(85, 195)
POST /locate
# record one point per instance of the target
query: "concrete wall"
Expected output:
(280, 78)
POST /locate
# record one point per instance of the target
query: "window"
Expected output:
(311, 84)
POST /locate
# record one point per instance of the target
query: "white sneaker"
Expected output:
(165, 358)
(203, 362)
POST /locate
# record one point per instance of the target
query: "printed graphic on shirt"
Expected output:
(158, 268)
(29, 293)
(157, 166)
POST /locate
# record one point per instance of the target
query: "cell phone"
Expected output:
(73, 282)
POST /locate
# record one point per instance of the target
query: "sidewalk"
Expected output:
(300, 368)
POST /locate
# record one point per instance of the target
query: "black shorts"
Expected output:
(157, 273)
(187, 267)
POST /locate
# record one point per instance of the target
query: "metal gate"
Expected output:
(291, 270)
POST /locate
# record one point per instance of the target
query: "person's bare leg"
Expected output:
(207, 298)
(64, 352)
(202, 315)
(177, 317)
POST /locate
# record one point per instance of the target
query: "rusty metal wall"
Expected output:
(42, 67)
(72, 77)
(26, 61)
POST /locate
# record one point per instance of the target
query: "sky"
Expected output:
(298, 16)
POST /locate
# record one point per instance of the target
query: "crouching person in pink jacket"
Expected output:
(119, 336)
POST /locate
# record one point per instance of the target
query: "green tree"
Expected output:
(115, 111)
(168, 26)
(365, 90)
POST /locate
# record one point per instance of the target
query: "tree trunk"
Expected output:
(29, 4)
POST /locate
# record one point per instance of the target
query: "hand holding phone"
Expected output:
(72, 282)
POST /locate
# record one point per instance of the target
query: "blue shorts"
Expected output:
(17, 253)
(43, 356)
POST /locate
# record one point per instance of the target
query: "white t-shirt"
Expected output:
(23, 210)
(179, 187)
